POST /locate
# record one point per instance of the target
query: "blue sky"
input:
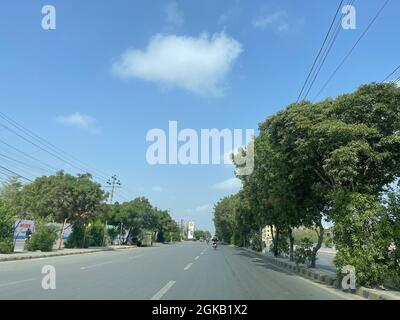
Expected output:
(113, 70)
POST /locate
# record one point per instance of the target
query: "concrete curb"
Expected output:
(59, 254)
(323, 276)
(371, 294)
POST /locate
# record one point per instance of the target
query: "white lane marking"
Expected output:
(202, 253)
(16, 282)
(188, 266)
(196, 257)
(96, 265)
(163, 290)
(134, 257)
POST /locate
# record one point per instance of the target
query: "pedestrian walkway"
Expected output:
(63, 252)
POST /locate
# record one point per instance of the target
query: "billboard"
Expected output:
(22, 225)
(190, 234)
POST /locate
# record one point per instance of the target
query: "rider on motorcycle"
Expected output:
(28, 235)
(214, 241)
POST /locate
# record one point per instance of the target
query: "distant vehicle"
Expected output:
(201, 239)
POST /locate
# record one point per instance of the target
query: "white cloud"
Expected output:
(196, 64)
(279, 21)
(203, 208)
(232, 184)
(157, 189)
(174, 16)
(80, 121)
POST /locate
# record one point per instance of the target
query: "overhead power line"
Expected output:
(14, 173)
(320, 51)
(4, 156)
(46, 150)
(352, 49)
(327, 51)
(49, 148)
(391, 74)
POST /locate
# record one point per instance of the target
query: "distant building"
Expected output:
(266, 237)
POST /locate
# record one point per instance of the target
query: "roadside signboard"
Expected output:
(190, 230)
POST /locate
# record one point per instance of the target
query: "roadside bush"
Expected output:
(304, 252)
(43, 238)
(113, 232)
(362, 237)
(92, 237)
(75, 239)
(94, 234)
(280, 245)
(256, 242)
(6, 246)
(7, 219)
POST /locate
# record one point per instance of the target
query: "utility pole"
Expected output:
(181, 230)
(113, 183)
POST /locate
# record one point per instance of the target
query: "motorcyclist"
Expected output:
(215, 241)
(28, 234)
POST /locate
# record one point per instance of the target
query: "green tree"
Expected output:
(361, 236)
(10, 188)
(7, 220)
(64, 198)
(139, 215)
(224, 217)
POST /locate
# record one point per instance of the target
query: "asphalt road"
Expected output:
(180, 271)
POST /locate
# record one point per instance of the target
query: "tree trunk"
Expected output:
(104, 244)
(318, 246)
(120, 235)
(291, 243)
(276, 239)
(62, 234)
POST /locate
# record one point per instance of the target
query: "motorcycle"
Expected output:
(214, 245)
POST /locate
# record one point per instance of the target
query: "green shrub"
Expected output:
(7, 218)
(6, 246)
(95, 234)
(362, 237)
(280, 244)
(304, 252)
(75, 239)
(256, 242)
(91, 237)
(43, 239)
